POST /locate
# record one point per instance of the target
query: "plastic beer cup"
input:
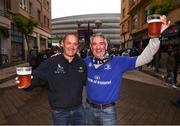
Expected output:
(154, 25)
(24, 76)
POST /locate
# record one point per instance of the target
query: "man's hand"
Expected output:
(165, 23)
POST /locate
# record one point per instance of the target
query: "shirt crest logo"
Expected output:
(107, 66)
(59, 69)
(90, 64)
(80, 70)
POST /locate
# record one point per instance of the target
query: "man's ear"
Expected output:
(106, 44)
(62, 44)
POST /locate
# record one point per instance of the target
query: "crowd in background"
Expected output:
(35, 57)
(114, 51)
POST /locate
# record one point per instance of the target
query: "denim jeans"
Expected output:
(170, 77)
(73, 117)
(95, 116)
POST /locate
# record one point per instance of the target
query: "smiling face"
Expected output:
(98, 46)
(70, 46)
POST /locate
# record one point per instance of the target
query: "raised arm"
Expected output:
(153, 46)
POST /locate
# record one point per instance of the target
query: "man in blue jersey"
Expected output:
(105, 74)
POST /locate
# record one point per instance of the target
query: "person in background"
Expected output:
(170, 67)
(176, 55)
(32, 57)
(105, 75)
(176, 102)
(65, 75)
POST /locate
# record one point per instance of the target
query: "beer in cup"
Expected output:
(24, 76)
(154, 25)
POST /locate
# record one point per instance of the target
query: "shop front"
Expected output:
(4, 46)
(170, 41)
(17, 50)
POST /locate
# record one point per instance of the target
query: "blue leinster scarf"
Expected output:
(102, 60)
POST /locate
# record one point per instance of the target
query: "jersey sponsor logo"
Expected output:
(95, 81)
(97, 77)
(59, 69)
(107, 66)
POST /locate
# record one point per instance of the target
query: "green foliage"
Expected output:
(24, 25)
(159, 7)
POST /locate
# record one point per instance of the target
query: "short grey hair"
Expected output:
(98, 35)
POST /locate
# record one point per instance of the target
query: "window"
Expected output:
(123, 12)
(16, 36)
(133, 2)
(122, 28)
(8, 4)
(24, 4)
(129, 29)
(39, 15)
(21, 2)
(44, 3)
(44, 20)
(48, 22)
(30, 8)
(134, 21)
(47, 5)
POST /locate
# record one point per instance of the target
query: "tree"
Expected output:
(25, 26)
(159, 7)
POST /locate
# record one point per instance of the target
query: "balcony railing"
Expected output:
(4, 13)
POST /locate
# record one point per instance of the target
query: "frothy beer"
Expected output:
(154, 26)
(24, 76)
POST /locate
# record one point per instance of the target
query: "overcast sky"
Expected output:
(63, 8)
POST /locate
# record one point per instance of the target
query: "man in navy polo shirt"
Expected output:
(105, 74)
(65, 75)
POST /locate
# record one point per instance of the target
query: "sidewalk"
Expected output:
(8, 73)
(144, 101)
(162, 72)
(140, 104)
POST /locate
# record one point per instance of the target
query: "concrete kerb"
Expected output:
(9, 72)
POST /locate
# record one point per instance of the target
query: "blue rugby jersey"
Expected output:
(103, 84)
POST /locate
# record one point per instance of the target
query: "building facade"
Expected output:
(133, 26)
(5, 37)
(85, 25)
(133, 23)
(12, 44)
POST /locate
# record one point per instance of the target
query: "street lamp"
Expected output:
(87, 32)
(98, 23)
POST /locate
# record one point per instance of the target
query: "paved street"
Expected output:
(140, 103)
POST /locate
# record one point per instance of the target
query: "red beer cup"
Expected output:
(24, 76)
(154, 25)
